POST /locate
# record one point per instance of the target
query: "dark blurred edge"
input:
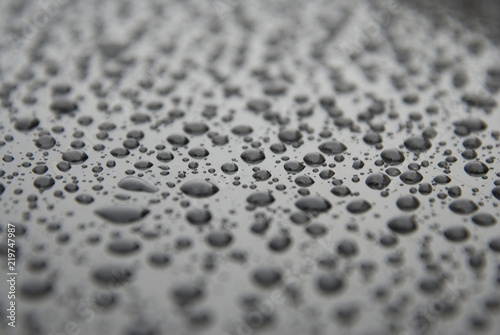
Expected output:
(481, 16)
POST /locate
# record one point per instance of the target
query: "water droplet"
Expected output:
(261, 175)
(484, 219)
(476, 168)
(392, 156)
(199, 188)
(316, 229)
(280, 243)
(402, 224)
(471, 124)
(299, 218)
(143, 165)
(159, 259)
(314, 159)
(105, 299)
(122, 214)
(463, 206)
(408, 203)
(330, 283)
(63, 106)
(242, 130)
(219, 239)
(304, 181)
(496, 192)
(84, 199)
(119, 152)
(112, 274)
(267, 276)
(456, 233)
(378, 181)
(278, 148)
(290, 135)
(341, 191)
(136, 184)
(198, 152)
(74, 156)
(441, 179)
(494, 244)
(469, 154)
(36, 288)
(411, 177)
(418, 144)
(229, 168)
(198, 217)
(253, 156)
(43, 183)
(26, 123)
(45, 142)
(186, 293)
(358, 206)
(372, 138)
(165, 156)
(124, 246)
(332, 147)
(388, 240)
(178, 140)
(195, 128)
(472, 142)
(294, 166)
(261, 198)
(313, 204)
(347, 248)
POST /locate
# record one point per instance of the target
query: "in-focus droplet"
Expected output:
(199, 188)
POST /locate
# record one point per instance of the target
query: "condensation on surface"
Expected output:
(250, 167)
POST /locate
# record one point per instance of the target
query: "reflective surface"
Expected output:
(245, 167)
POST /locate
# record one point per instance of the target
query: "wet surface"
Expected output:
(246, 167)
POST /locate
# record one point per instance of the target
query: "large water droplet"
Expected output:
(198, 217)
(186, 293)
(411, 177)
(313, 204)
(261, 198)
(358, 206)
(267, 276)
(280, 243)
(378, 181)
(43, 183)
(136, 184)
(392, 156)
(75, 156)
(463, 206)
(314, 159)
(253, 156)
(332, 147)
(484, 219)
(124, 246)
(112, 274)
(408, 203)
(418, 144)
(330, 283)
(45, 142)
(195, 128)
(476, 168)
(402, 224)
(26, 123)
(199, 188)
(456, 233)
(122, 214)
(219, 239)
(289, 135)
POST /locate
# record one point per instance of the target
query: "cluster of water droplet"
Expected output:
(216, 183)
